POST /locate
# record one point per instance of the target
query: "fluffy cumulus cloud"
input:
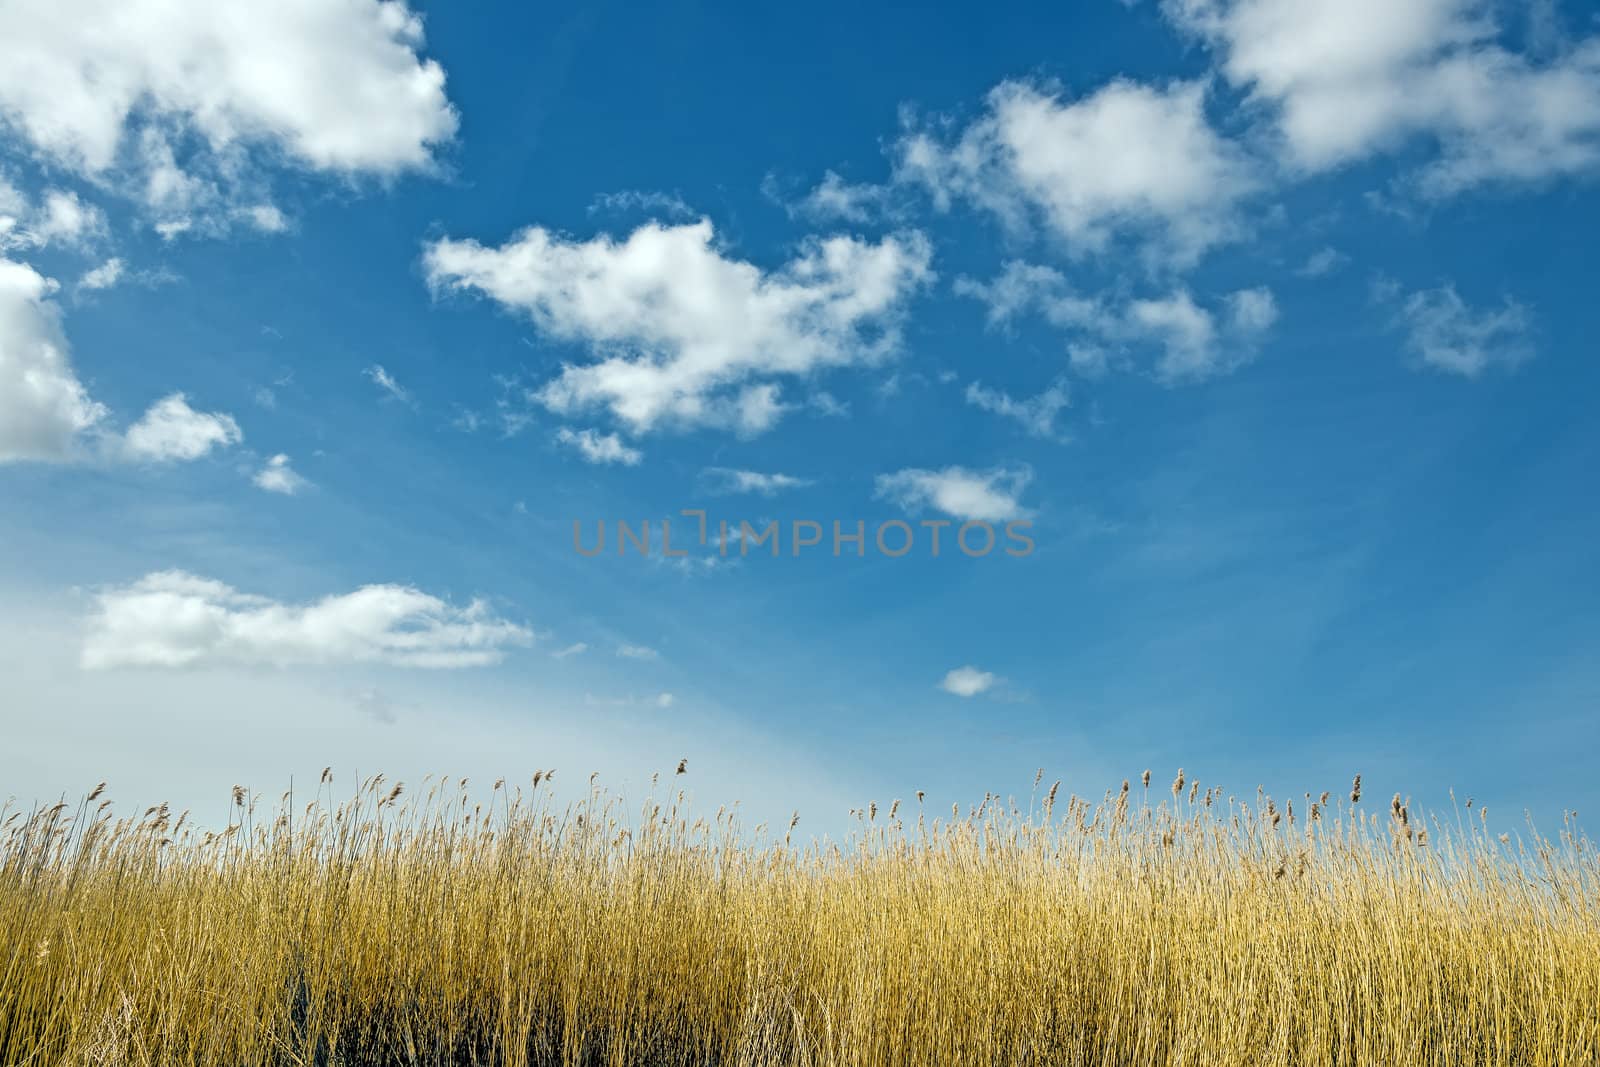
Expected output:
(1449, 335)
(46, 413)
(278, 475)
(44, 408)
(682, 334)
(1128, 160)
(173, 97)
(1348, 78)
(596, 447)
(174, 619)
(968, 495)
(728, 480)
(1195, 341)
(968, 682)
(172, 431)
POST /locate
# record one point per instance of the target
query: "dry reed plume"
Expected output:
(437, 929)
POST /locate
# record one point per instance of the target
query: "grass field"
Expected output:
(1160, 924)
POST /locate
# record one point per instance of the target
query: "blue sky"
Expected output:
(320, 325)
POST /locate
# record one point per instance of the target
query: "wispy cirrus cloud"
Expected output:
(1450, 335)
(835, 199)
(1036, 414)
(1323, 262)
(729, 481)
(387, 384)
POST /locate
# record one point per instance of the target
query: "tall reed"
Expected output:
(431, 926)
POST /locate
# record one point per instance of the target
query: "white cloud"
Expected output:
(108, 88)
(729, 480)
(46, 413)
(104, 276)
(386, 382)
(12, 202)
(979, 496)
(277, 476)
(668, 204)
(968, 682)
(597, 447)
(172, 431)
(836, 199)
(1089, 360)
(43, 406)
(1037, 414)
(1322, 262)
(1024, 287)
(338, 86)
(68, 220)
(756, 409)
(691, 566)
(1448, 334)
(1128, 160)
(577, 649)
(1186, 332)
(827, 405)
(1350, 78)
(61, 219)
(1252, 310)
(1195, 342)
(268, 218)
(115, 271)
(682, 334)
(174, 619)
(665, 700)
(637, 652)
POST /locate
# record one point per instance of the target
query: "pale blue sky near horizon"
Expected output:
(1281, 341)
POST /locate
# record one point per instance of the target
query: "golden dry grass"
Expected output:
(1157, 926)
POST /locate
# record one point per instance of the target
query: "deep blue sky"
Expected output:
(1360, 538)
